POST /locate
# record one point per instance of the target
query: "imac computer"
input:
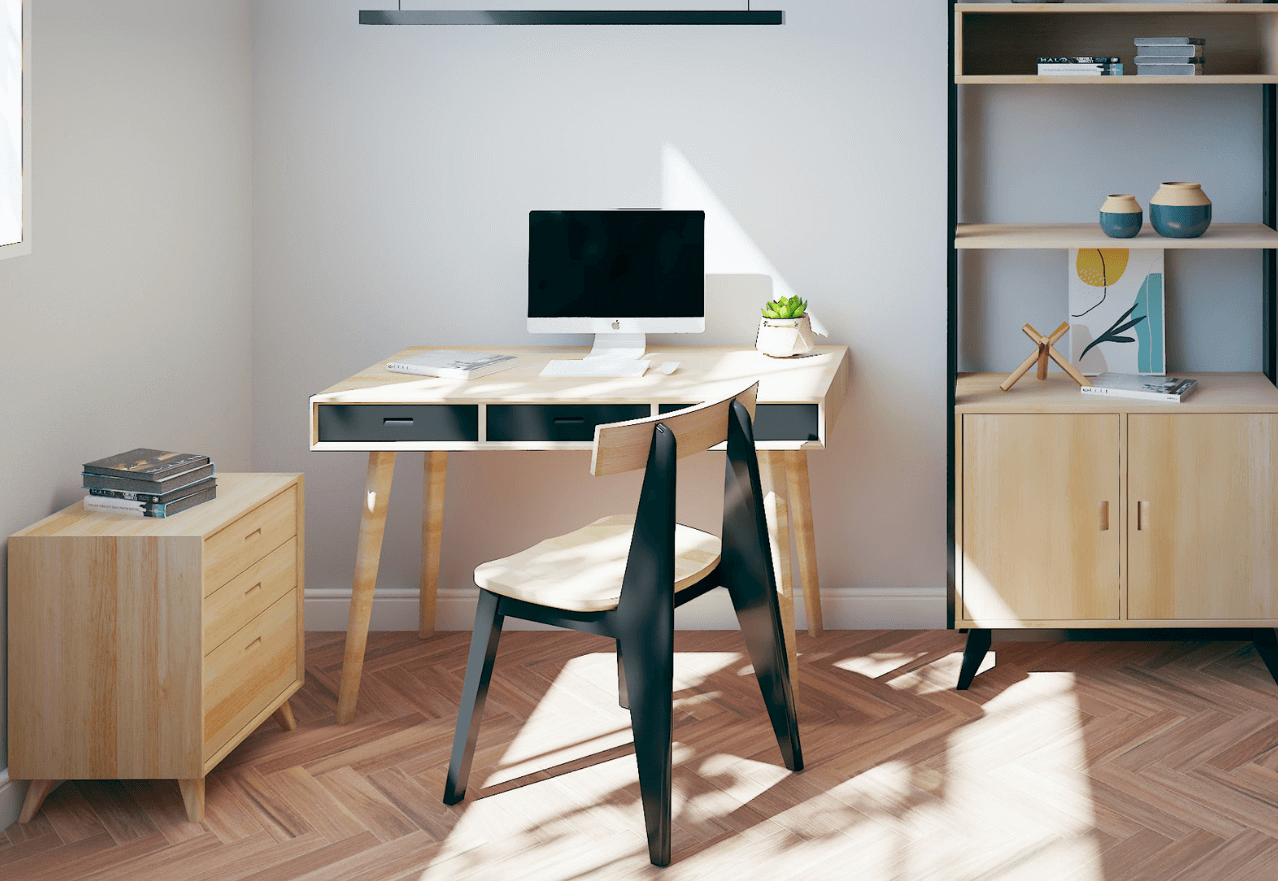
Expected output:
(618, 275)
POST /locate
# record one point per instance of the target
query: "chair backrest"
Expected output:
(623, 446)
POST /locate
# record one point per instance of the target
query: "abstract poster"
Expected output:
(1116, 319)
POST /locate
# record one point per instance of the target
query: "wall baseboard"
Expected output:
(11, 795)
(888, 608)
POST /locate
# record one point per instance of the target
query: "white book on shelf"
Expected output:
(1168, 389)
(452, 364)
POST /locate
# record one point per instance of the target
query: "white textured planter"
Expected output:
(784, 337)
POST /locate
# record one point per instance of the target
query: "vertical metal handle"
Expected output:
(1103, 517)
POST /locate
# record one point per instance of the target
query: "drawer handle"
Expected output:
(1104, 516)
(570, 420)
(256, 533)
(257, 586)
(392, 420)
(1142, 516)
(254, 644)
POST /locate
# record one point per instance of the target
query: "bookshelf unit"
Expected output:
(1069, 511)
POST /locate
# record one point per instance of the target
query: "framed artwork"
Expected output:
(1116, 312)
(15, 127)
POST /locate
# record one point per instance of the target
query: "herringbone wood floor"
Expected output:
(1087, 761)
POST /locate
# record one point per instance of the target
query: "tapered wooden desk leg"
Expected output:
(772, 476)
(372, 523)
(193, 798)
(36, 794)
(432, 537)
(800, 493)
(284, 717)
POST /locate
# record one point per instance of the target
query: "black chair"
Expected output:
(622, 577)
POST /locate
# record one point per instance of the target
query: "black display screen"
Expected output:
(616, 264)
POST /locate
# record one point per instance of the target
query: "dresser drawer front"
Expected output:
(236, 547)
(398, 422)
(557, 422)
(248, 671)
(249, 594)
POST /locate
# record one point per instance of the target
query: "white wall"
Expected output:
(130, 323)
(393, 172)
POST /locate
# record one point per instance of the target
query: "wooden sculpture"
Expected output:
(1046, 349)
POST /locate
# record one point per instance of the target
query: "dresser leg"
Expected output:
(432, 536)
(36, 794)
(193, 797)
(1266, 640)
(372, 524)
(800, 492)
(773, 480)
(284, 717)
(978, 643)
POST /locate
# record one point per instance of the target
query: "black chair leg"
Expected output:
(648, 655)
(623, 696)
(761, 628)
(1267, 647)
(978, 643)
(479, 670)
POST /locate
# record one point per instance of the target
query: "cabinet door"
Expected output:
(1203, 518)
(1040, 537)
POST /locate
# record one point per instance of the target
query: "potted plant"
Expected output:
(785, 329)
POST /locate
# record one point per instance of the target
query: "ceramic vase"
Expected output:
(1180, 210)
(784, 337)
(1121, 216)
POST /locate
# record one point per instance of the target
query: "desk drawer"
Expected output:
(398, 422)
(556, 422)
(249, 594)
(776, 422)
(234, 548)
(248, 671)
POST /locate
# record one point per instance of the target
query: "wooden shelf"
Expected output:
(1022, 236)
(1123, 8)
(1251, 79)
(1216, 393)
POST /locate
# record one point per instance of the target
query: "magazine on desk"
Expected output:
(1169, 389)
(451, 364)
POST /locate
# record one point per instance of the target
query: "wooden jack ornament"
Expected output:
(1046, 349)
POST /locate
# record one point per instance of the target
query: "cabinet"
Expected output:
(151, 647)
(1072, 511)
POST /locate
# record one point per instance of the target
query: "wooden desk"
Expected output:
(384, 413)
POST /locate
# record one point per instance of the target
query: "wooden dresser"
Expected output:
(150, 647)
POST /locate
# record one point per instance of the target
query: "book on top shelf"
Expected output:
(450, 364)
(1168, 389)
(171, 482)
(145, 464)
(1173, 52)
(1170, 41)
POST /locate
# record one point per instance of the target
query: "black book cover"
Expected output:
(162, 498)
(145, 464)
(169, 483)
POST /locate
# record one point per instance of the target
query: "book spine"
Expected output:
(114, 506)
(170, 496)
(126, 484)
(153, 475)
(1135, 396)
(146, 509)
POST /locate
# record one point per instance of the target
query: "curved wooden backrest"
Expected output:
(623, 446)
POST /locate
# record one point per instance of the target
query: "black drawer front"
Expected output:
(398, 422)
(556, 422)
(776, 422)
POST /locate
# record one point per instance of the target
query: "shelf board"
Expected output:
(1216, 393)
(1234, 79)
(1022, 236)
(1093, 8)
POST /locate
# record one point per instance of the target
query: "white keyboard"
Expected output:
(596, 367)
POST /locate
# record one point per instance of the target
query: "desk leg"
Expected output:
(372, 523)
(796, 474)
(772, 476)
(432, 535)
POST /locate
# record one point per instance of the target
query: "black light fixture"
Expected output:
(571, 17)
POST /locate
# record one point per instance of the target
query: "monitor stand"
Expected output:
(619, 346)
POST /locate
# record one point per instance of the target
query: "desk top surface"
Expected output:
(704, 373)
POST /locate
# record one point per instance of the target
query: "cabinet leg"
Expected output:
(36, 794)
(368, 553)
(193, 797)
(1266, 640)
(978, 643)
(284, 717)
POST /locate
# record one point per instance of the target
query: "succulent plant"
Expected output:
(785, 307)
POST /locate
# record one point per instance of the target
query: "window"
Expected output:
(15, 128)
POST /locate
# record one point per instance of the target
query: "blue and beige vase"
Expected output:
(1120, 216)
(1180, 210)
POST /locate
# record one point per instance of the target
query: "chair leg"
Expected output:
(761, 628)
(648, 656)
(479, 670)
(623, 696)
(978, 643)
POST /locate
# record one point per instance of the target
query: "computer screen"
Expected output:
(616, 272)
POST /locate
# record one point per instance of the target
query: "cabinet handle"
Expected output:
(1103, 516)
(254, 644)
(257, 586)
(256, 533)
(1142, 516)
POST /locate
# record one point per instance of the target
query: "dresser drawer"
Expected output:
(557, 422)
(248, 671)
(234, 548)
(398, 422)
(249, 594)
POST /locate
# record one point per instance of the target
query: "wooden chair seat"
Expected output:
(582, 570)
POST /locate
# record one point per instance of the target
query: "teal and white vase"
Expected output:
(1180, 210)
(1121, 216)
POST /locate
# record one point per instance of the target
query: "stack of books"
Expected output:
(148, 483)
(1079, 65)
(1169, 56)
